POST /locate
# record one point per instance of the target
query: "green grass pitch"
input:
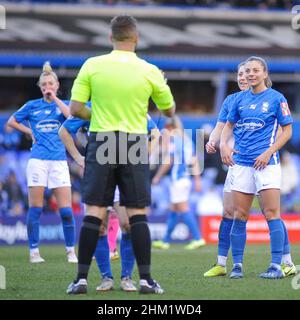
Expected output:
(179, 272)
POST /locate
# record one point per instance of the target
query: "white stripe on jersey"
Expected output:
(273, 140)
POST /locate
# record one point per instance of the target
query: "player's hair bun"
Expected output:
(47, 67)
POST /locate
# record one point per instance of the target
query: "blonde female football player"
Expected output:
(47, 166)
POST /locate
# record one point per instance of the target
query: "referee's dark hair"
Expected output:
(123, 28)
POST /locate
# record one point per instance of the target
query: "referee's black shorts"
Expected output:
(109, 163)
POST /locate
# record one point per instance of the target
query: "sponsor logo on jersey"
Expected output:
(265, 107)
(285, 109)
(47, 125)
(250, 124)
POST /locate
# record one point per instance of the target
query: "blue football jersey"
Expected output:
(45, 119)
(226, 106)
(73, 124)
(182, 150)
(257, 117)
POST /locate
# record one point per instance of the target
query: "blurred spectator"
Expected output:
(16, 198)
(3, 201)
(9, 138)
(289, 180)
(4, 168)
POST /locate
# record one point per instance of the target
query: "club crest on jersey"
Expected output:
(265, 107)
(285, 109)
(47, 111)
(252, 106)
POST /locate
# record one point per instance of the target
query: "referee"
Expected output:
(119, 86)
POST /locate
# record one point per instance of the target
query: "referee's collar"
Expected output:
(123, 52)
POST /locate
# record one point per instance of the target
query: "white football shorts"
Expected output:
(48, 173)
(248, 180)
(180, 190)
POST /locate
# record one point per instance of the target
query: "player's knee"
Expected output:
(271, 213)
(228, 212)
(241, 214)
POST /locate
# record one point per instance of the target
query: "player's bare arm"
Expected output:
(80, 110)
(214, 138)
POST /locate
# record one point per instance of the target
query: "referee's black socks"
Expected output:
(88, 239)
(141, 243)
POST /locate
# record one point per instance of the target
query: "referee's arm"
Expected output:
(80, 110)
(169, 112)
(81, 92)
(161, 94)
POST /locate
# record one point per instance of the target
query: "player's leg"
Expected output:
(287, 265)
(242, 204)
(36, 199)
(103, 260)
(226, 223)
(219, 269)
(126, 250)
(112, 234)
(243, 188)
(59, 182)
(37, 174)
(191, 221)
(172, 219)
(270, 200)
(113, 229)
(181, 206)
(63, 197)
(268, 183)
(171, 223)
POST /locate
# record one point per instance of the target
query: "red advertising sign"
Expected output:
(257, 228)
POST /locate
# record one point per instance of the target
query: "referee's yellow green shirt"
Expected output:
(119, 86)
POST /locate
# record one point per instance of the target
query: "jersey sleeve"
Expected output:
(73, 124)
(161, 93)
(224, 110)
(233, 114)
(23, 113)
(81, 89)
(283, 112)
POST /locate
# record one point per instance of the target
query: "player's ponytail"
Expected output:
(47, 67)
(47, 71)
(268, 81)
